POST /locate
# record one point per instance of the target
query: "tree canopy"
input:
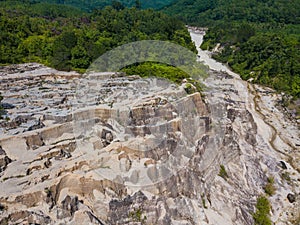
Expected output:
(89, 5)
(68, 42)
(259, 39)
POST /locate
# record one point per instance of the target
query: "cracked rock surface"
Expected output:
(115, 149)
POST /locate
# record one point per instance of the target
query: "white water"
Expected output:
(205, 57)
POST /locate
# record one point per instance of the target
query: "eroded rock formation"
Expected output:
(136, 151)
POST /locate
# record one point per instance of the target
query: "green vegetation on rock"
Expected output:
(270, 188)
(262, 214)
(223, 173)
(149, 69)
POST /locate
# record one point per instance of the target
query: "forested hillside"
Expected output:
(39, 9)
(260, 39)
(68, 39)
(90, 5)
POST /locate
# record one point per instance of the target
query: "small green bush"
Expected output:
(261, 216)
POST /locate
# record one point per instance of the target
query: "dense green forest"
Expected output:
(90, 5)
(39, 9)
(260, 39)
(73, 40)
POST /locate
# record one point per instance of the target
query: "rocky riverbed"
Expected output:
(276, 133)
(116, 149)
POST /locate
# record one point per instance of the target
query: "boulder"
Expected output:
(291, 197)
(283, 165)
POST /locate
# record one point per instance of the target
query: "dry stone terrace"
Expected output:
(97, 135)
(35, 96)
(104, 148)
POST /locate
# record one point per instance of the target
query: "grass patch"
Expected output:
(223, 173)
(262, 214)
(169, 72)
(270, 188)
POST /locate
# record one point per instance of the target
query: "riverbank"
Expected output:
(276, 135)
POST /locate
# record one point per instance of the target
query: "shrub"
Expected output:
(261, 216)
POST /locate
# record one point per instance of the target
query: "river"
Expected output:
(205, 57)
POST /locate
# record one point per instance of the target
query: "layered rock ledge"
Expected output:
(104, 148)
